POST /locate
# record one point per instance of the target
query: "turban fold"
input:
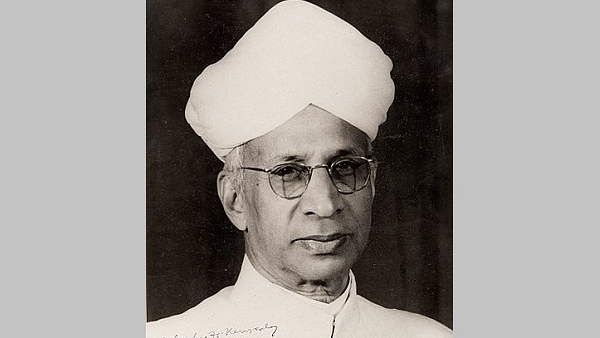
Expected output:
(295, 55)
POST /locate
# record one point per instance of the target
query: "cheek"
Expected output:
(267, 214)
(362, 207)
(361, 213)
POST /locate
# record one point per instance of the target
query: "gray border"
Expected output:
(525, 169)
(73, 169)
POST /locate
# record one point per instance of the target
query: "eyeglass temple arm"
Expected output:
(256, 169)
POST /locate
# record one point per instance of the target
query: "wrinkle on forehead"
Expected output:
(311, 134)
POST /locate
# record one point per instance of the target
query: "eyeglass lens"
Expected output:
(348, 175)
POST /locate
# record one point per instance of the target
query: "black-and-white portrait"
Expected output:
(299, 168)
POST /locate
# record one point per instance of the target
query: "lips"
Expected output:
(322, 244)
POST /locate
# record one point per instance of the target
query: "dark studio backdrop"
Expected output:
(193, 250)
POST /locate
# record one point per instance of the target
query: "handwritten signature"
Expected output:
(230, 331)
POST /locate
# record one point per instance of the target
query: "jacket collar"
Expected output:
(285, 308)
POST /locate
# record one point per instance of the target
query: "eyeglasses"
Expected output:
(348, 174)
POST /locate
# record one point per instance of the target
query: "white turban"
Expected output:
(296, 54)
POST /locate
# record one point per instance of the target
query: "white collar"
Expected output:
(249, 277)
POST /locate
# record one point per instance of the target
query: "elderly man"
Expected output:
(292, 110)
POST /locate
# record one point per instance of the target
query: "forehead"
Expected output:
(312, 135)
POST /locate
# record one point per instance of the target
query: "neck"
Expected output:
(323, 290)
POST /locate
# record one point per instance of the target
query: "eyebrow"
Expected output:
(346, 152)
(290, 158)
(302, 158)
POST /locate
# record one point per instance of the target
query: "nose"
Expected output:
(321, 198)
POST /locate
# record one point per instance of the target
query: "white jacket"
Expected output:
(255, 307)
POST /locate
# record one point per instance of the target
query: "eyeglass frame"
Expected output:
(370, 162)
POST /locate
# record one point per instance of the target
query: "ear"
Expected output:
(373, 177)
(231, 199)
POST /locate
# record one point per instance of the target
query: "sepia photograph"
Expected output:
(310, 169)
(299, 168)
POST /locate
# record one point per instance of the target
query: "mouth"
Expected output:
(322, 244)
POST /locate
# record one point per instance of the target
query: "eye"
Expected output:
(288, 172)
(346, 166)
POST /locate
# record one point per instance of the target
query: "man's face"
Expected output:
(321, 234)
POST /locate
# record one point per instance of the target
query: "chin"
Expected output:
(326, 267)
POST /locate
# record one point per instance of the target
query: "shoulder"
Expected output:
(196, 321)
(393, 322)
